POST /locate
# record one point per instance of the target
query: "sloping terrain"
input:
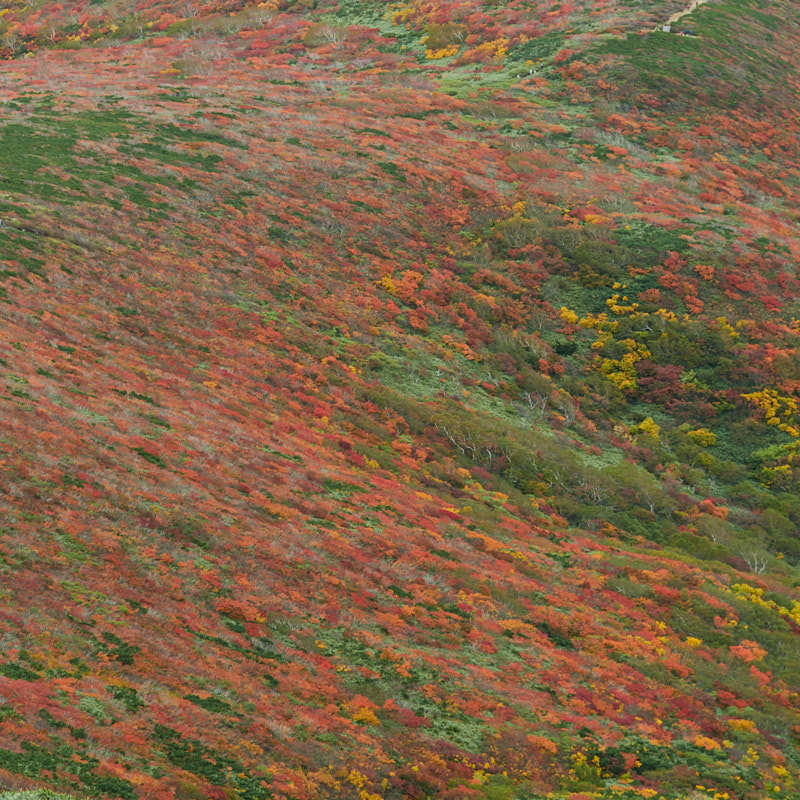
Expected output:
(399, 400)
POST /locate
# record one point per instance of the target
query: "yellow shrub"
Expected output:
(444, 52)
(650, 429)
(706, 743)
(366, 716)
(568, 315)
(703, 437)
(743, 725)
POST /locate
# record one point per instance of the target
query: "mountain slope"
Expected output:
(399, 400)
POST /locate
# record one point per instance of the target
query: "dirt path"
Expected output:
(691, 7)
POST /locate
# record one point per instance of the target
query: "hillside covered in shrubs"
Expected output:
(400, 400)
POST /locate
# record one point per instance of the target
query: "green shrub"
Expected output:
(698, 546)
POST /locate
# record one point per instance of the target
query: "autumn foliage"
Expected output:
(399, 400)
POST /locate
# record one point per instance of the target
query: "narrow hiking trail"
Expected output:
(686, 11)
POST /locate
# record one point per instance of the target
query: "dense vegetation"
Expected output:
(399, 400)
